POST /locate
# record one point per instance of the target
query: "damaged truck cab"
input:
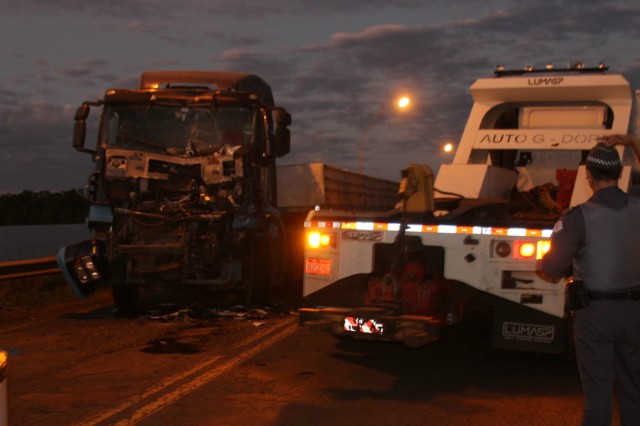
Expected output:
(184, 187)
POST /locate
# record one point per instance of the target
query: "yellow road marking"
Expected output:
(285, 329)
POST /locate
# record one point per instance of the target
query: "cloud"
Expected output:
(336, 87)
(35, 148)
(247, 9)
(9, 96)
(332, 83)
(84, 67)
(238, 38)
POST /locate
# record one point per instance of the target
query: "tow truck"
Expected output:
(480, 225)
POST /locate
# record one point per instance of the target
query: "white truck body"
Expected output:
(522, 132)
(560, 117)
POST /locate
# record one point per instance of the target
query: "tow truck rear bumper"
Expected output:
(372, 323)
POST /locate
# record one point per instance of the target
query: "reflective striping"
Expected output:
(436, 229)
(390, 227)
(447, 229)
(517, 232)
(364, 226)
(464, 230)
(414, 228)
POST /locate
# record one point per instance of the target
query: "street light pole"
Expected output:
(364, 136)
(402, 103)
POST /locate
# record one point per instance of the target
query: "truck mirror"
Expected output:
(82, 112)
(79, 132)
(282, 134)
(283, 118)
(283, 141)
(80, 128)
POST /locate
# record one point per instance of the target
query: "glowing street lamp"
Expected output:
(448, 147)
(401, 103)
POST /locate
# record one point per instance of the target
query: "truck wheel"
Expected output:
(277, 263)
(256, 270)
(125, 295)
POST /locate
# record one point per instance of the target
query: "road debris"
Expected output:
(198, 312)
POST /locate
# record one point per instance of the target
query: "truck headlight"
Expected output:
(86, 269)
(84, 266)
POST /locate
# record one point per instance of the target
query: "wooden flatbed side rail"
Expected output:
(28, 268)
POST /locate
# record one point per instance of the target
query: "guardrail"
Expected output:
(28, 268)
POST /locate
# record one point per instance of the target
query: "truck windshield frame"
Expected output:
(177, 129)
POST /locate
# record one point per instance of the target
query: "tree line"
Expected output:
(43, 208)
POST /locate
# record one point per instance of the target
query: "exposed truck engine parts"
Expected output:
(184, 188)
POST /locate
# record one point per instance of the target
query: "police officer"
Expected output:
(599, 240)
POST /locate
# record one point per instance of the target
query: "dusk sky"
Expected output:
(332, 64)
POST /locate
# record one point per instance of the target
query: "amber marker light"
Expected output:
(527, 250)
(318, 239)
(542, 249)
(313, 239)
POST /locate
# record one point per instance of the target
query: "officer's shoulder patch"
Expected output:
(557, 227)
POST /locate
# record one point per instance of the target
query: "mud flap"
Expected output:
(346, 292)
(518, 327)
(83, 266)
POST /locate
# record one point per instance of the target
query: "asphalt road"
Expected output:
(75, 363)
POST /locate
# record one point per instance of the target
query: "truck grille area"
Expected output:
(173, 244)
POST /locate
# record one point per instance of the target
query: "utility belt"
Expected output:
(579, 297)
(626, 295)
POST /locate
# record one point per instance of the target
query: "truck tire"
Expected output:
(256, 269)
(125, 295)
(278, 262)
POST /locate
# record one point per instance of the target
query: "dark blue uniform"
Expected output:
(599, 239)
